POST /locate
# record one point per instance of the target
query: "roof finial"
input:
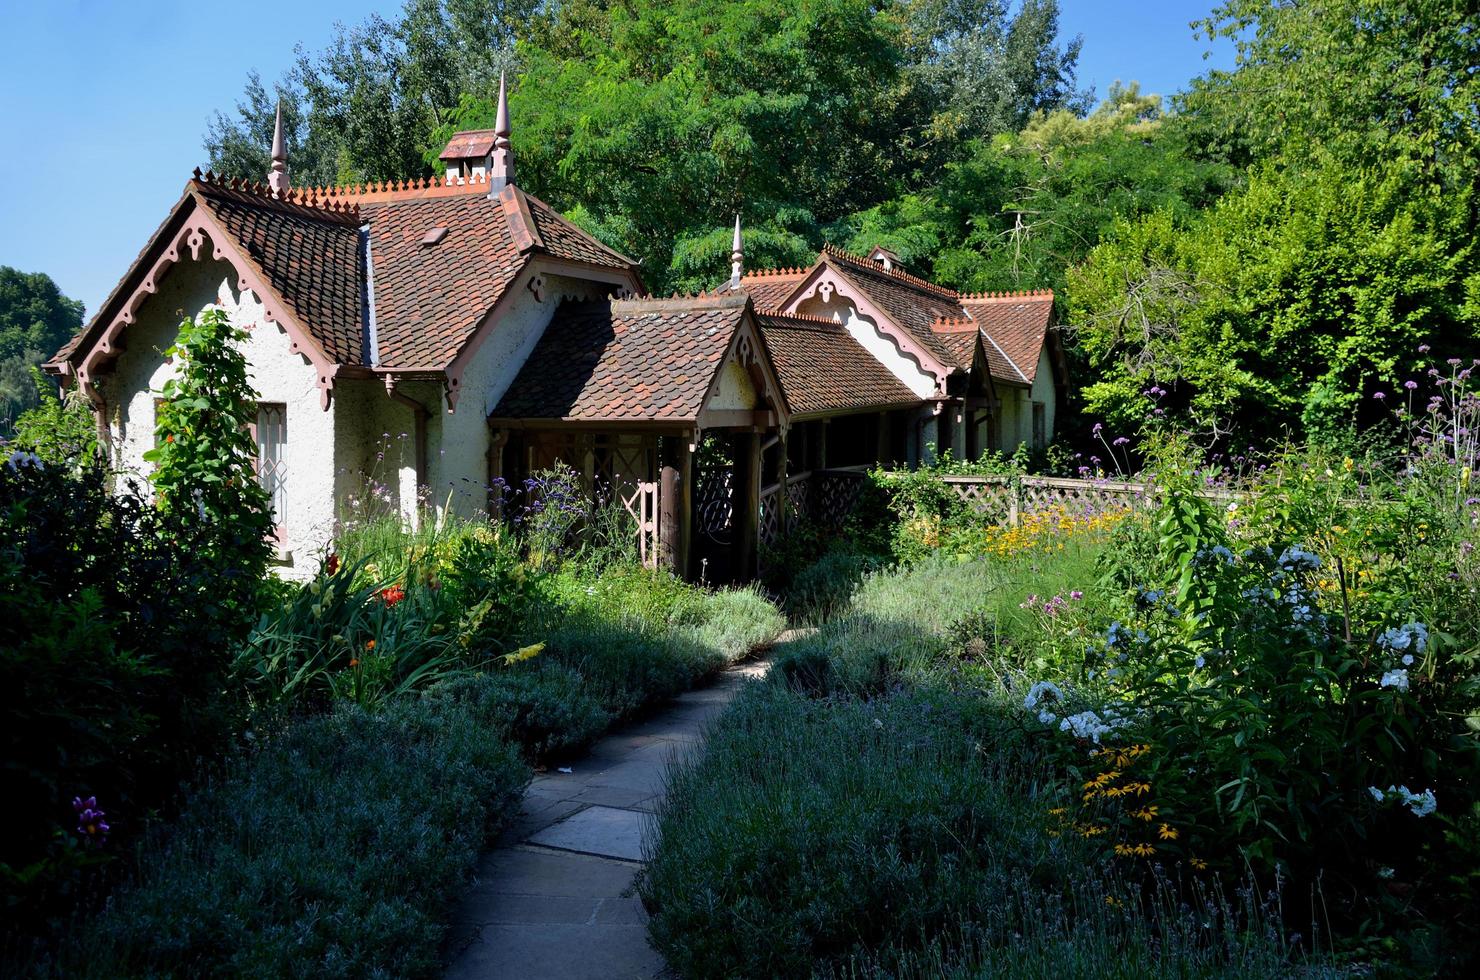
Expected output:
(737, 257)
(277, 176)
(503, 150)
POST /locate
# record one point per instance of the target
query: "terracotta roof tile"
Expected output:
(310, 256)
(959, 335)
(469, 143)
(638, 360)
(1017, 323)
(823, 369)
(771, 287)
(909, 301)
(429, 299)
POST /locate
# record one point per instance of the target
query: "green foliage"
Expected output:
(35, 321)
(205, 461)
(653, 123)
(59, 428)
(902, 835)
(111, 673)
(1283, 306)
(335, 849)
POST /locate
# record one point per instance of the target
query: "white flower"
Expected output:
(1089, 725)
(1232, 506)
(1041, 691)
(1396, 679)
(1422, 804)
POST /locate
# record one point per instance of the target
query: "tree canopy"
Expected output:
(35, 320)
(1270, 246)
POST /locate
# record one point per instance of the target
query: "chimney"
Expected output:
(483, 154)
(889, 260)
(737, 257)
(277, 176)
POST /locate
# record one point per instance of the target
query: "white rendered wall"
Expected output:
(277, 374)
(872, 339)
(734, 389)
(458, 459)
(1043, 391)
(375, 449)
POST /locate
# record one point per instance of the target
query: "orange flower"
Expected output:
(369, 645)
(354, 661)
(169, 438)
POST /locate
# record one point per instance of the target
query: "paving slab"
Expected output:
(605, 830)
(554, 899)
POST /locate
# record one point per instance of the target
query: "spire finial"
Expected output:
(503, 149)
(737, 257)
(277, 176)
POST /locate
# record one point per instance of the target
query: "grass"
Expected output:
(880, 809)
(335, 850)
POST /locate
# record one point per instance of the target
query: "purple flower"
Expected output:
(92, 823)
(1379, 395)
(1098, 428)
(1423, 348)
(1121, 441)
(1410, 385)
(1076, 594)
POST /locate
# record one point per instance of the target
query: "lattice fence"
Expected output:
(1005, 499)
(715, 504)
(641, 501)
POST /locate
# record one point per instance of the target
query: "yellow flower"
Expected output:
(524, 653)
(1198, 864)
(1167, 833)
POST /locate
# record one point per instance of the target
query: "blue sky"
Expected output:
(103, 105)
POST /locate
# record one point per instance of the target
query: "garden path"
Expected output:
(553, 899)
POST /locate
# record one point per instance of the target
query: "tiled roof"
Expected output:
(1017, 323)
(469, 143)
(909, 301)
(309, 256)
(959, 335)
(823, 369)
(636, 360)
(428, 298)
(770, 287)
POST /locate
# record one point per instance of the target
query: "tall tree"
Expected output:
(35, 320)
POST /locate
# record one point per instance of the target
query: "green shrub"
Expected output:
(882, 838)
(547, 709)
(334, 850)
(735, 622)
(336, 638)
(113, 667)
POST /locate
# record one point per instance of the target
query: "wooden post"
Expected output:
(669, 532)
(818, 445)
(1015, 501)
(747, 504)
(683, 549)
(496, 441)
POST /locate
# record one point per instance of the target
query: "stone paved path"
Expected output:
(551, 901)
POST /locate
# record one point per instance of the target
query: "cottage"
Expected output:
(418, 344)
